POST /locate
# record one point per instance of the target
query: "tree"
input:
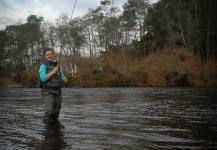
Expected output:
(35, 38)
(3, 52)
(111, 32)
(184, 23)
(133, 21)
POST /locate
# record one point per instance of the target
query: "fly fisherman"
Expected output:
(51, 75)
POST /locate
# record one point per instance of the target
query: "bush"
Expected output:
(165, 67)
(30, 79)
(178, 67)
(2, 82)
(8, 82)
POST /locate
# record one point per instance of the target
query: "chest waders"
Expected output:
(52, 96)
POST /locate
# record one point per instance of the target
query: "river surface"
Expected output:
(111, 118)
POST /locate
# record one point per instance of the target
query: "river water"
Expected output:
(111, 118)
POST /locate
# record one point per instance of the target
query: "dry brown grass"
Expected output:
(8, 82)
(178, 67)
(203, 74)
(30, 79)
(165, 67)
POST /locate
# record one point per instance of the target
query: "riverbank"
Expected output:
(180, 67)
(6, 82)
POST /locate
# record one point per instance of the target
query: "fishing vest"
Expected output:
(54, 81)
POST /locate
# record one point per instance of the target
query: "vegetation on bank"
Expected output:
(180, 67)
(163, 68)
(168, 43)
(6, 82)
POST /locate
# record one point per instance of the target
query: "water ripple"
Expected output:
(111, 118)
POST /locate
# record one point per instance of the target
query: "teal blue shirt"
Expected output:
(42, 72)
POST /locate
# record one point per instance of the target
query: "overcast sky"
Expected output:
(12, 11)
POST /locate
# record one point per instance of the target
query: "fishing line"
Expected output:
(67, 29)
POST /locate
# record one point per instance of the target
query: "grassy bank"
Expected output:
(9, 83)
(180, 67)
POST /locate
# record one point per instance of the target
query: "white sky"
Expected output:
(12, 11)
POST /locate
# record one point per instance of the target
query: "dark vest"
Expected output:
(54, 81)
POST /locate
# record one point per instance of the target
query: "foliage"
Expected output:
(166, 43)
(163, 68)
(30, 79)
(8, 82)
(184, 23)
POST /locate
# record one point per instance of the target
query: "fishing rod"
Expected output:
(67, 30)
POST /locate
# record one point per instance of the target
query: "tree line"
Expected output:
(137, 30)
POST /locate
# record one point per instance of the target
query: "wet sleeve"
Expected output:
(61, 72)
(42, 73)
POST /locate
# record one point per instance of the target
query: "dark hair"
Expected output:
(48, 49)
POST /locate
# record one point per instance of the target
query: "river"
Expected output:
(111, 118)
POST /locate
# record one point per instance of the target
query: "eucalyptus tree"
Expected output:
(3, 52)
(102, 28)
(70, 39)
(14, 49)
(76, 43)
(77, 38)
(50, 34)
(212, 28)
(23, 42)
(92, 30)
(207, 26)
(171, 23)
(135, 13)
(62, 23)
(69, 34)
(111, 31)
(184, 23)
(133, 22)
(157, 26)
(35, 38)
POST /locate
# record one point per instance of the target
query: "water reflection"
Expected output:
(53, 136)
